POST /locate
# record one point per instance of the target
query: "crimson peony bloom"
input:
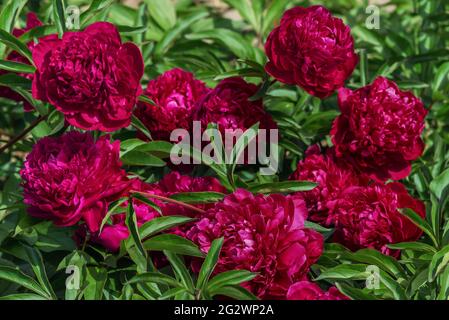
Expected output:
(306, 290)
(90, 76)
(263, 234)
(175, 92)
(369, 217)
(332, 176)
(72, 177)
(112, 234)
(32, 22)
(228, 106)
(379, 129)
(312, 49)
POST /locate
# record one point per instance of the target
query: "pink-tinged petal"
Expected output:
(45, 46)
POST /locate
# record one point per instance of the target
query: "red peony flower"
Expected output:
(228, 106)
(73, 177)
(312, 49)
(369, 217)
(32, 22)
(90, 76)
(379, 129)
(306, 290)
(332, 176)
(175, 92)
(263, 234)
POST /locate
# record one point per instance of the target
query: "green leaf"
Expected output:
(145, 200)
(127, 30)
(58, 11)
(229, 38)
(154, 277)
(440, 183)
(169, 37)
(180, 270)
(439, 262)
(316, 227)
(114, 207)
(8, 16)
(229, 278)
(209, 264)
(16, 67)
(171, 293)
(415, 246)
(160, 224)
(37, 264)
(37, 32)
(139, 158)
(244, 72)
(420, 223)
(441, 77)
(198, 197)
(284, 186)
(345, 272)
(173, 243)
(235, 292)
(131, 223)
(146, 99)
(246, 11)
(374, 257)
(163, 12)
(354, 293)
(23, 296)
(16, 276)
(136, 123)
(96, 280)
(10, 13)
(272, 13)
(15, 44)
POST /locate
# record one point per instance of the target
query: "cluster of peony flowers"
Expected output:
(94, 80)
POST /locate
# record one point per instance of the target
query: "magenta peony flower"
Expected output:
(369, 217)
(32, 22)
(229, 107)
(312, 49)
(263, 234)
(175, 92)
(306, 290)
(90, 76)
(72, 177)
(379, 129)
(113, 233)
(332, 176)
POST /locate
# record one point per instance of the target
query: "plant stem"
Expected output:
(186, 205)
(23, 133)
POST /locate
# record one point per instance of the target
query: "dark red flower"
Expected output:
(90, 76)
(175, 93)
(306, 290)
(312, 49)
(32, 22)
(369, 217)
(263, 234)
(72, 177)
(332, 176)
(379, 129)
(228, 105)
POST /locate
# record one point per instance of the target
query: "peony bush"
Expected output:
(134, 138)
